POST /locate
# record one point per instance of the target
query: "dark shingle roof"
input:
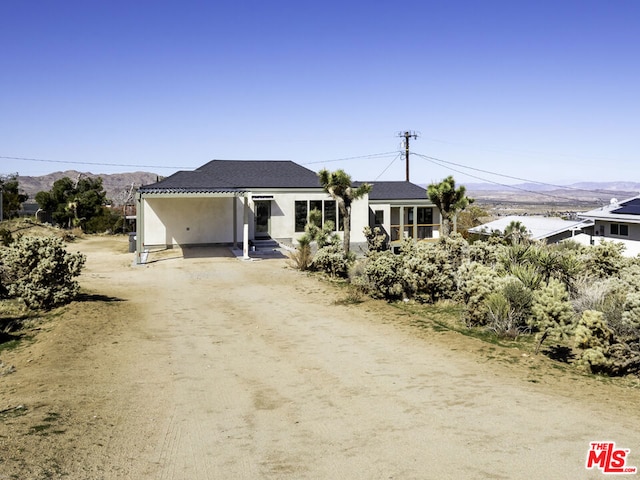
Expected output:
(238, 175)
(401, 190)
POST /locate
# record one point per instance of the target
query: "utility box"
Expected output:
(132, 242)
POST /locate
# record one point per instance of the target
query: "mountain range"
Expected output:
(116, 185)
(119, 185)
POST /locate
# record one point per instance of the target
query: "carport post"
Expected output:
(245, 229)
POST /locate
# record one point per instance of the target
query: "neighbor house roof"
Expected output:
(625, 211)
(539, 227)
(237, 176)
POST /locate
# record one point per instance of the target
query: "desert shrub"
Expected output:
(624, 359)
(383, 276)
(377, 239)
(316, 231)
(475, 282)
(631, 315)
(40, 272)
(604, 260)
(302, 256)
(429, 272)
(455, 248)
(551, 312)
(331, 259)
(601, 351)
(520, 298)
(508, 308)
(6, 237)
(590, 294)
(485, 252)
(528, 274)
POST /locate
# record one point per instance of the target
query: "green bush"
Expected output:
(40, 272)
(331, 259)
(552, 312)
(604, 260)
(475, 283)
(383, 276)
(429, 272)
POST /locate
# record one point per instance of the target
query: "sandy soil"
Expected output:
(201, 366)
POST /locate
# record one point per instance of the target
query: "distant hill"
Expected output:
(605, 187)
(117, 185)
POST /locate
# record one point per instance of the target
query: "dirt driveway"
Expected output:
(207, 367)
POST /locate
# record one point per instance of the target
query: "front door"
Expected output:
(262, 218)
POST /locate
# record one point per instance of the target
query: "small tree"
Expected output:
(12, 199)
(81, 203)
(516, 232)
(449, 201)
(338, 185)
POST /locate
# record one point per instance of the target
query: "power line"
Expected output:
(100, 164)
(564, 187)
(373, 155)
(387, 167)
(559, 197)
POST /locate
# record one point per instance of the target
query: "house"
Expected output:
(549, 229)
(618, 222)
(232, 202)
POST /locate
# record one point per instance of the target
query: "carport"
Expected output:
(178, 217)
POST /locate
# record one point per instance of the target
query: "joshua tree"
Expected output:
(449, 201)
(338, 185)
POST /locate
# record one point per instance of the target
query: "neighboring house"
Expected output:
(618, 221)
(549, 229)
(232, 202)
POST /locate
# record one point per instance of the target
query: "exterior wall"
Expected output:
(605, 227)
(189, 221)
(209, 220)
(283, 216)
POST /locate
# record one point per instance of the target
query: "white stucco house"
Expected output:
(233, 202)
(548, 229)
(617, 222)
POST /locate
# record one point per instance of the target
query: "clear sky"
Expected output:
(547, 90)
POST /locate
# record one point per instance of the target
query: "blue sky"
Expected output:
(542, 90)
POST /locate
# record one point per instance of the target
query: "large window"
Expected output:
(619, 229)
(327, 207)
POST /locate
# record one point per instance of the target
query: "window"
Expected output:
(301, 215)
(326, 207)
(619, 229)
(425, 215)
(379, 217)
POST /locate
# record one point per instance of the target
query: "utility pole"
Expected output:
(407, 135)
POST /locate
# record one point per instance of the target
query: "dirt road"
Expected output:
(207, 367)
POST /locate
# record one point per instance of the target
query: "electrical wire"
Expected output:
(373, 155)
(559, 197)
(101, 164)
(387, 167)
(564, 187)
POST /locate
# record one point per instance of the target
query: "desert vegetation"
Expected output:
(37, 270)
(577, 304)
